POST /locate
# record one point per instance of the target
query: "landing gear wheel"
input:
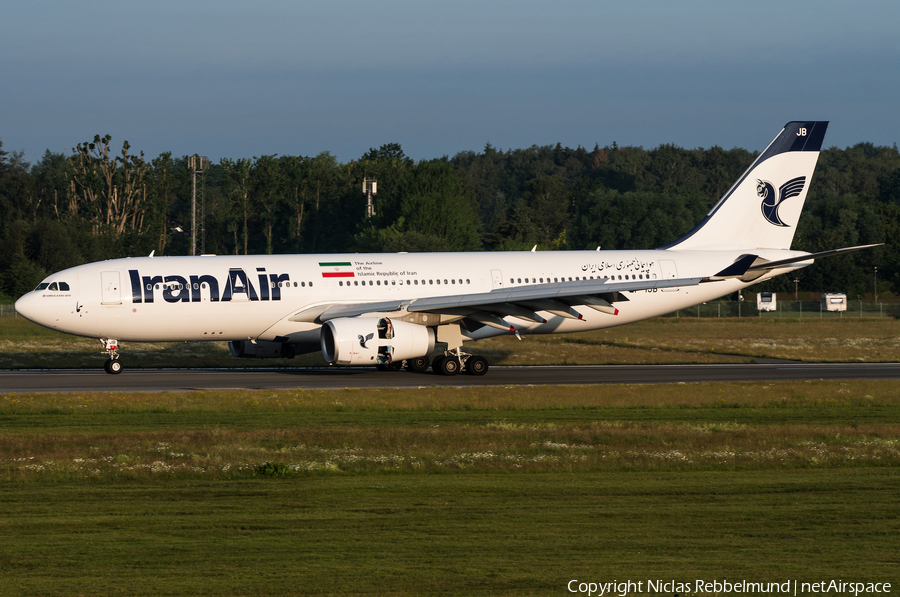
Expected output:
(417, 365)
(449, 366)
(476, 365)
(436, 364)
(113, 366)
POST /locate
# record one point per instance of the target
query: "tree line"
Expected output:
(96, 202)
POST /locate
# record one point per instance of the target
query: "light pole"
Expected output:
(875, 286)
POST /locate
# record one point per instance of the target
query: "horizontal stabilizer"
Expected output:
(750, 267)
(736, 269)
(782, 262)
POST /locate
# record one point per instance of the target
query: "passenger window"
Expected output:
(431, 281)
(467, 281)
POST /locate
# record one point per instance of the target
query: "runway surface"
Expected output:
(329, 378)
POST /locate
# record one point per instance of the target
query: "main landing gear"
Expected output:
(450, 363)
(111, 347)
(455, 361)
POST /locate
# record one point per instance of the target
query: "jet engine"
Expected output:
(374, 341)
(245, 349)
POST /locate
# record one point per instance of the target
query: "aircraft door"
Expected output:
(109, 282)
(669, 272)
(497, 278)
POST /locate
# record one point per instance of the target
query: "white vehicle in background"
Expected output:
(766, 301)
(834, 302)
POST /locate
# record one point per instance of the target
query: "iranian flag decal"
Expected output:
(337, 269)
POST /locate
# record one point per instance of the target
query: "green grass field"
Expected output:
(447, 491)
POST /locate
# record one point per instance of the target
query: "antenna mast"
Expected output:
(198, 165)
(370, 187)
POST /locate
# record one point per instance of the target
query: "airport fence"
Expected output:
(8, 310)
(790, 309)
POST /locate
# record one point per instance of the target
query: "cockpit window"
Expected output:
(58, 286)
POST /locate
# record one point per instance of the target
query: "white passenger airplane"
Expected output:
(388, 309)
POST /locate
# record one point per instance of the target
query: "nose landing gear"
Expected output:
(111, 347)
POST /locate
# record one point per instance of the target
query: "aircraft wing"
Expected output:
(489, 308)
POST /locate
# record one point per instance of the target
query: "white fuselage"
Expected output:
(260, 297)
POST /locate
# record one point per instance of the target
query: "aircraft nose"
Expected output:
(26, 306)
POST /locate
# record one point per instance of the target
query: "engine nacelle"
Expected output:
(374, 341)
(245, 349)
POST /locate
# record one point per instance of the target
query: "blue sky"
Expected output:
(241, 79)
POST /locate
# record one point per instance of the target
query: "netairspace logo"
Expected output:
(790, 587)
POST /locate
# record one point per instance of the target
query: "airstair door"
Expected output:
(669, 272)
(111, 295)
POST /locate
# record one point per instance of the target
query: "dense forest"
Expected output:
(96, 201)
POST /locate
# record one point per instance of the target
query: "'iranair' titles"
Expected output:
(179, 289)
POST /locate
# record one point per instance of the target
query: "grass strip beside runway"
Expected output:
(479, 491)
(488, 534)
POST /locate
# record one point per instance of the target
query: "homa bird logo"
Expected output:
(770, 203)
(362, 340)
